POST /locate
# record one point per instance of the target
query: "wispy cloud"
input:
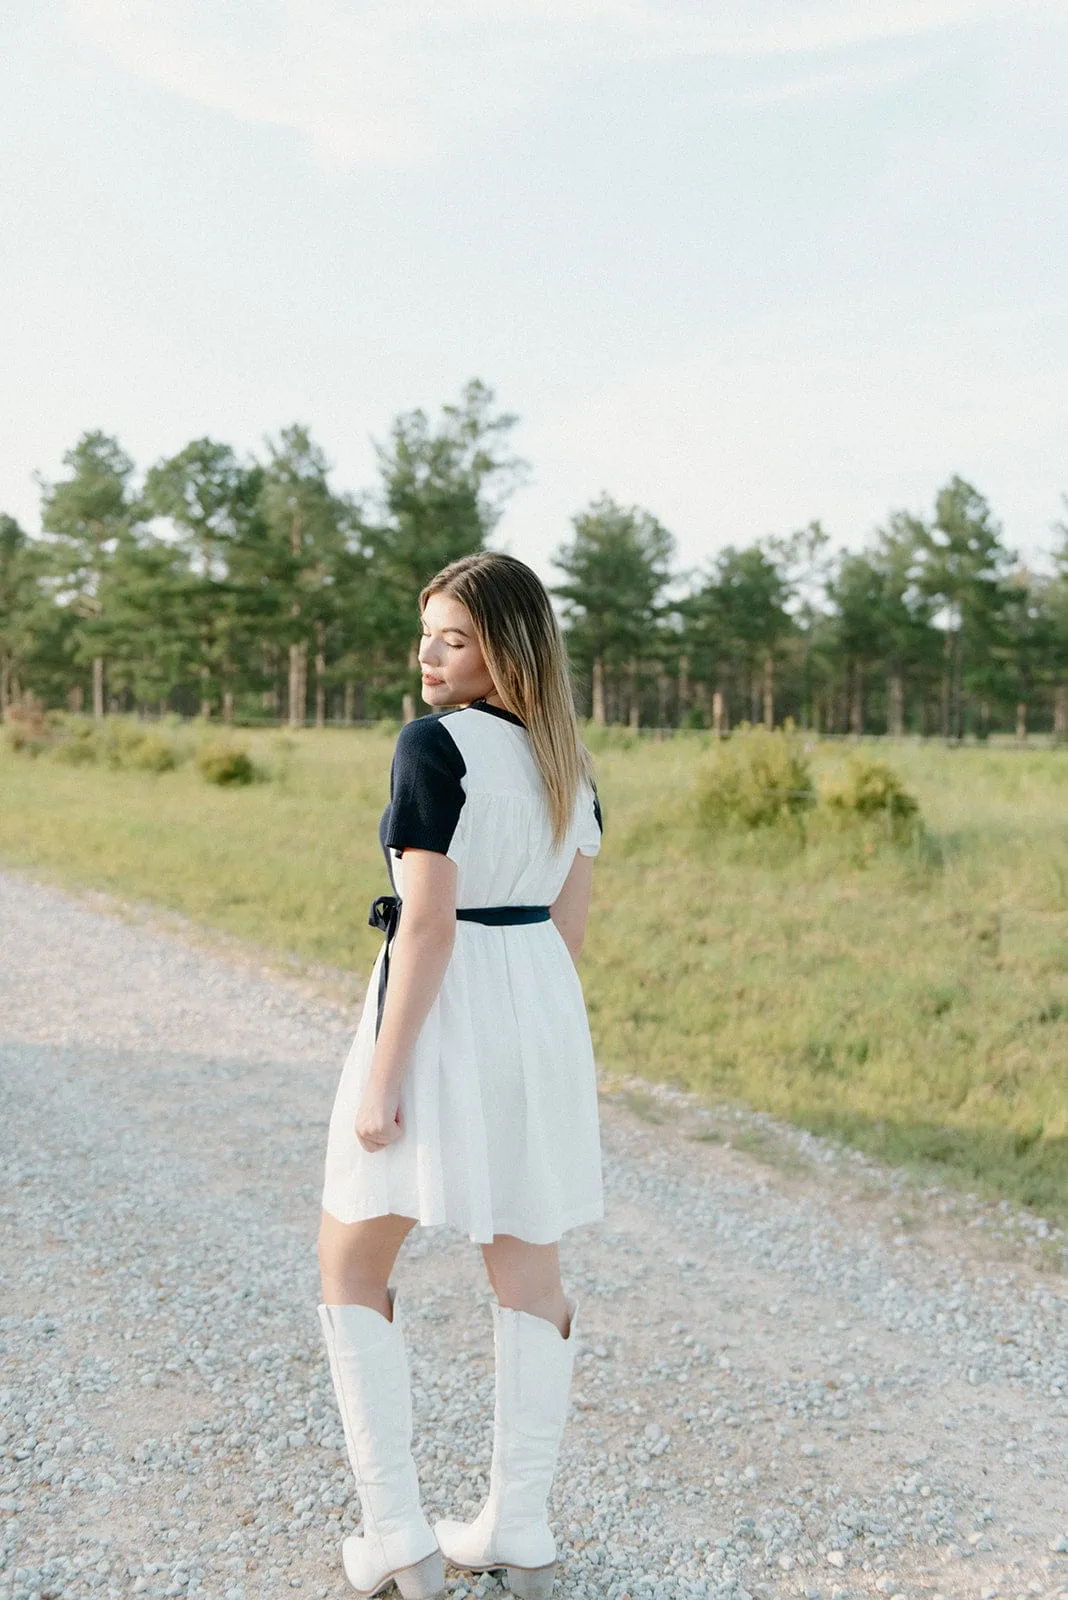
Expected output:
(392, 83)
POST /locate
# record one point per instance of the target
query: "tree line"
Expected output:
(244, 589)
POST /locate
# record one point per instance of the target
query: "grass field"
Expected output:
(912, 999)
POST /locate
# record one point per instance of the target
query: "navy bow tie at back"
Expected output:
(385, 916)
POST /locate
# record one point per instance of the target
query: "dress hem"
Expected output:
(575, 1219)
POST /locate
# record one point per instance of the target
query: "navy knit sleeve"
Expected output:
(426, 792)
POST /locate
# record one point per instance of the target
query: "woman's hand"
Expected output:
(378, 1121)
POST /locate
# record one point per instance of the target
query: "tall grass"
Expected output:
(909, 995)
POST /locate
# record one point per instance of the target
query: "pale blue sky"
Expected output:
(744, 263)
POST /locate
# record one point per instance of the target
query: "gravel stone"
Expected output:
(817, 1380)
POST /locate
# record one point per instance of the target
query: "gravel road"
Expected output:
(802, 1378)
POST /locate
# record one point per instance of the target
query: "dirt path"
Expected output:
(802, 1378)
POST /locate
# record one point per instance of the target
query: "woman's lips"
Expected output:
(432, 682)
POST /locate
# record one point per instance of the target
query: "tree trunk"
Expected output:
(320, 675)
(958, 687)
(98, 687)
(633, 698)
(298, 684)
(856, 707)
(1060, 712)
(228, 707)
(205, 698)
(947, 678)
(769, 693)
(348, 702)
(895, 706)
(1021, 720)
(598, 692)
(661, 698)
(719, 719)
(5, 684)
(408, 705)
(684, 687)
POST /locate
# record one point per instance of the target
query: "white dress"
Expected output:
(499, 1103)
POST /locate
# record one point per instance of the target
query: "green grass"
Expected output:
(911, 999)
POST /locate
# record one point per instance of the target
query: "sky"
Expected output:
(743, 263)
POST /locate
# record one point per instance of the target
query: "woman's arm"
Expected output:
(571, 907)
(418, 958)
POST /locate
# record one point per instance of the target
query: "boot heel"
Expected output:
(424, 1581)
(532, 1583)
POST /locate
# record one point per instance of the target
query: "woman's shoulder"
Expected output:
(427, 738)
(425, 754)
(426, 790)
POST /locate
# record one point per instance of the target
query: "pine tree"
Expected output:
(87, 518)
(617, 568)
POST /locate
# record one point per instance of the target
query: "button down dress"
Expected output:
(499, 1102)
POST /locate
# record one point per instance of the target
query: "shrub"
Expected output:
(25, 729)
(609, 736)
(77, 751)
(871, 789)
(224, 764)
(154, 754)
(756, 779)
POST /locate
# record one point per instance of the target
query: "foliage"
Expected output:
(255, 590)
(26, 729)
(81, 750)
(225, 764)
(443, 489)
(736, 621)
(870, 788)
(755, 779)
(154, 753)
(616, 568)
(120, 743)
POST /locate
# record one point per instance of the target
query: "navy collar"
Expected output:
(497, 711)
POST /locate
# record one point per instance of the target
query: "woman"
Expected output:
(469, 1096)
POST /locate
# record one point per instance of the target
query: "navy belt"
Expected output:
(385, 916)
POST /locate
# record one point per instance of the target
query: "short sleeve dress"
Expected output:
(500, 1100)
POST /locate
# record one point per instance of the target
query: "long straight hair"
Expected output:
(524, 651)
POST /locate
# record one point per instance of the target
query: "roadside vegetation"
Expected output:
(886, 961)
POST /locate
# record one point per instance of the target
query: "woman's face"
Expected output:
(453, 666)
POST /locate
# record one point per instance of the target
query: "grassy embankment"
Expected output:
(913, 1000)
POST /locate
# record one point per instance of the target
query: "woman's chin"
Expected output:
(437, 694)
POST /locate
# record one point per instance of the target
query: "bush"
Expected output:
(871, 789)
(119, 742)
(78, 751)
(154, 754)
(609, 736)
(25, 728)
(225, 763)
(756, 779)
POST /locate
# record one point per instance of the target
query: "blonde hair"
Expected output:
(525, 655)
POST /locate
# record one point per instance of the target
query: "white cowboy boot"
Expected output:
(369, 1366)
(534, 1364)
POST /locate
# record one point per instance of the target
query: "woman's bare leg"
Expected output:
(526, 1277)
(357, 1258)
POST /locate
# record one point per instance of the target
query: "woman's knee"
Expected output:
(360, 1251)
(525, 1277)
